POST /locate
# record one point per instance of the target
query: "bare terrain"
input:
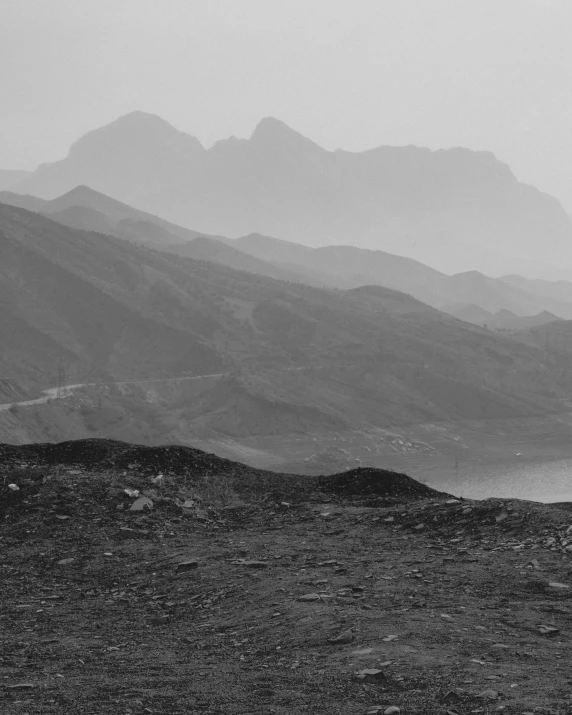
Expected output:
(243, 591)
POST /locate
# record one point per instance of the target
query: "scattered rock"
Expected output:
(392, 710)
(64, 562)
(141, 504)
(309, 597)
(371, 674)
(21, 686)
(488, 695)
(453, 696)
(14, 487)
(187, 565)
(250, 563)
(555, 584)
(548, 630)
(344, 637)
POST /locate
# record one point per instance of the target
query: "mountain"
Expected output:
(23, 201)
(282, 358)
(348, 266)
(90, 210)
(503, 319)
(471, 313)
(330, 266)
(494, 295)
(135, 155)
(204, 248)
(455, 210)
(557, 290)
(9, 178)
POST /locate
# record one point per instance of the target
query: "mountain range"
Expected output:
(282, 357)
(331, 266)
(455, 210)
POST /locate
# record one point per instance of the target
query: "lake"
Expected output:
(536, 480)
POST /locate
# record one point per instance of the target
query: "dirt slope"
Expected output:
(437, 604)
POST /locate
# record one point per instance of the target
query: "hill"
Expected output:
(503, 320)
(284, 358)
(455, 210)
(90, 210)
(126, 568)
(350, 266)
(330, 266)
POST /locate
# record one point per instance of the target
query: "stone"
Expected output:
(488, 695)
(548, 630)
(344, 637)
(392, 710)
(21, 686)
(187, 565)
(141, 504)
(371, 674)
(309, 597)
(64, 562)
(251, 563)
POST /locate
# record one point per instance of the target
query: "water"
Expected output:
(543, 481)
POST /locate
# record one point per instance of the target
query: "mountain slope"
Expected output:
(353, 267)
(294, 358)
(137, 153)
(557, 290)
(455, 209)
(330, 266)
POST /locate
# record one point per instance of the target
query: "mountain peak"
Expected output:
(275, 132)
(138, 129)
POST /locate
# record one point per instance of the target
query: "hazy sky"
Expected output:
(486, 74)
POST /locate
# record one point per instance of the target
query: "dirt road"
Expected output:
(60, 393)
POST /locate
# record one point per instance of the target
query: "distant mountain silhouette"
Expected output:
(503, 319)
(330, 266)
(354, 267)
(557, 290)
(90, 210)
(455, 210)
(471, 313)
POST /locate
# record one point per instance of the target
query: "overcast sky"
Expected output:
(485, 74)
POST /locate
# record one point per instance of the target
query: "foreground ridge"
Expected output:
(166, 579)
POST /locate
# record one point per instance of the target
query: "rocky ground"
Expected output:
(140, 580)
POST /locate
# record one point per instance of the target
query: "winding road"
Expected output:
(60, 393)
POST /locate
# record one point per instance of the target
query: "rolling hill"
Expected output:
(455, 210)
(289, 358)
(330, 266)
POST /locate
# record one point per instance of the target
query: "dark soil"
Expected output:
(452, 601)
